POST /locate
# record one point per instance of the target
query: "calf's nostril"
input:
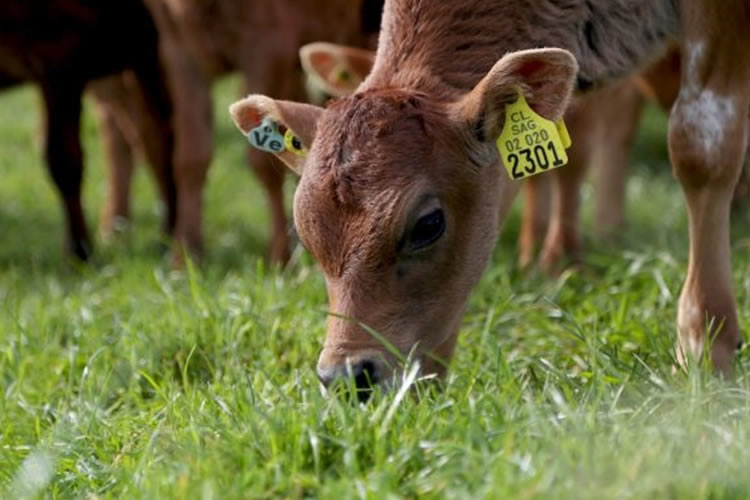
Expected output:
(365, 375)
(360, 377)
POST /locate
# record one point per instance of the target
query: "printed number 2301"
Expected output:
(532, 160)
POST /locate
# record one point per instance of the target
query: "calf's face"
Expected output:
(399, 201)
(400, 223)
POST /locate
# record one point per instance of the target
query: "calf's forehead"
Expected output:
(372, 158)
(342, 230)
(378, 126)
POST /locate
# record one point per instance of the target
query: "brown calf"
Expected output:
(402, 190)
(60, 45)
(202, 42)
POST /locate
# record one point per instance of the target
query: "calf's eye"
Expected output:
(428, 229)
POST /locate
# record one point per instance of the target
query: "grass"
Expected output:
(125, 379)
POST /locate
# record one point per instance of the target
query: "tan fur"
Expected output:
(608, 37)
(423, 125)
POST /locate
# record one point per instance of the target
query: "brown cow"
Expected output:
(202, 42)
(402, 189)
(61, 45)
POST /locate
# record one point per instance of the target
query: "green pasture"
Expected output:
(125, 379)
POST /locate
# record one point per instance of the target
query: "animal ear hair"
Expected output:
(545, 76)
(289, 120)
(337, 70)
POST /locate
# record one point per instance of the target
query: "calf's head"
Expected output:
(400, 200)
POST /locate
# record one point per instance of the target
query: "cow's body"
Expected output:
(425, 122)
(61, 45)
(609, 38)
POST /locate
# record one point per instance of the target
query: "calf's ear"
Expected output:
(545, 77)
(287, 120)
(337, 70)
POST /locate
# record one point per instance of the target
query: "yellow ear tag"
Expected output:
(562, 131)
(530, 144)
(294, 144)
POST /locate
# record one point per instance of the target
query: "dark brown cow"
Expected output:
(60, 45)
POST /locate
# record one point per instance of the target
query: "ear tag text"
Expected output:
(294, 143)
(530, 144)
(267, 137)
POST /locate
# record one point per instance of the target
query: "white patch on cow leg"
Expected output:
(702, 110)
(707, 114)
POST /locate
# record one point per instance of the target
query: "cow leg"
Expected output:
(563, 233)
(116, 212)
(151, 111)
(742, 189)
(65, 159)
(563, 238)
(707, 139)
(193, 147)
(535, 217)
(612, 156)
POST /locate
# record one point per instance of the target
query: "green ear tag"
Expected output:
(530, 144)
